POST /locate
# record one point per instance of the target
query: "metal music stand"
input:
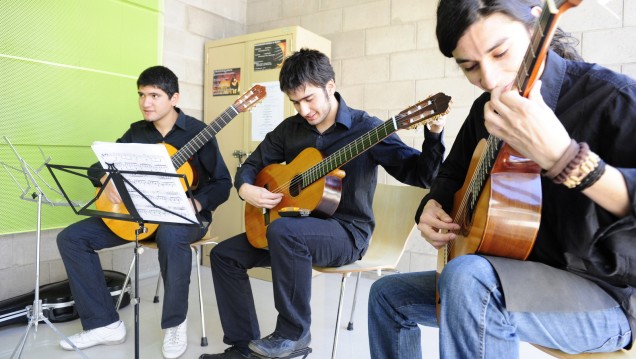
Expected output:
(123, 184)
(32, 192)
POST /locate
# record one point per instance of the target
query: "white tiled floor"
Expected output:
(352, 344)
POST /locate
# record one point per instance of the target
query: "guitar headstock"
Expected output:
(250, 98)
(423, 112)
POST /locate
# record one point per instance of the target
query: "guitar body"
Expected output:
(126, 229)
(507, 215)
(321, 197)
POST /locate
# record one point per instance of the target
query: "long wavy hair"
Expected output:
(455, 16)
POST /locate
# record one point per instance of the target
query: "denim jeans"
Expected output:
(79, 241)
(474, 320)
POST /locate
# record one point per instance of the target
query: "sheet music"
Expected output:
(166, 192)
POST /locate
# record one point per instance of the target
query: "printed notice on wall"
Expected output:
(226, 82)
(269, 55)
(269, 113)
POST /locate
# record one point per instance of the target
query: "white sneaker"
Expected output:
(97, 336)
(175, 341)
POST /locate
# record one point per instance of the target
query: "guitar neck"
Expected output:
(347, 153)
(179, 158)
(536, 53)
(526, 77)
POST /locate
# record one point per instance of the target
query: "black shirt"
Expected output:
(354, 212)
(214, 181)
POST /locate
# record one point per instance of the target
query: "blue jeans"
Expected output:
(474, 320)
(79, 241)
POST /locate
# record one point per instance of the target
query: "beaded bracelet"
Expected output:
(575, 163)
(589, 165)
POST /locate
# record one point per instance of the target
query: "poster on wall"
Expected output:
(269, 55)
(226, 82)
(269, 113)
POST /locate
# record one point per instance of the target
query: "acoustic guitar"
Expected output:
(179, 158)
(498, 206)
(314, 182)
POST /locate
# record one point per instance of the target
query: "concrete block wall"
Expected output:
(187, 25)
(386, 58)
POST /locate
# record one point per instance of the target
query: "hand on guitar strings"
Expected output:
(526, 124)
(436, 226)
(259, 197)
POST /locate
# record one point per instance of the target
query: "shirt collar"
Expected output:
(552, 78)
(181, 119)
(343, 116)
(180, 123)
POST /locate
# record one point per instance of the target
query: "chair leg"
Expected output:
(337, 331)
(204, 338)
(123, 287)
(353, 306)
(156, 298)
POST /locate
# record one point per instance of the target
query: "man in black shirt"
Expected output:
(325, 122)
(158, 90)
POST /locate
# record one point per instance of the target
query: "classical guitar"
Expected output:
(126, 229)
(499, 204)
(314, 182)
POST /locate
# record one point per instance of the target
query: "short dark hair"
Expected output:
(160, 77)
(455, 16)
(305, 67)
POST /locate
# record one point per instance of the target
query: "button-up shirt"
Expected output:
(214, 181)
(354, 211)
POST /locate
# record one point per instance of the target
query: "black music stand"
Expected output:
(32, 191)
(124, 187)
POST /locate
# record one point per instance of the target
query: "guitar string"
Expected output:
(476, 183)
(321, 169)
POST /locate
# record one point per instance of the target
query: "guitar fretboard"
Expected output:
(179, 158)
(348, 152)
(480, 176)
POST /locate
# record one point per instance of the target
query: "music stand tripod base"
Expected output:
(304, 352)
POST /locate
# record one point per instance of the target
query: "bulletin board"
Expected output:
(68, 72)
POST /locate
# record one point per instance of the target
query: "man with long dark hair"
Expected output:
(578, 124)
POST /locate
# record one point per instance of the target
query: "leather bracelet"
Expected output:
(562, 162)
(592, 177)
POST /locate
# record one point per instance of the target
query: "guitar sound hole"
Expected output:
(295, 186)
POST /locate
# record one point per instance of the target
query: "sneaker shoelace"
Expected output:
(173, 335)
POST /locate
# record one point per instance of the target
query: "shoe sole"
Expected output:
(173, 357)
(114, 342)
(283, 354)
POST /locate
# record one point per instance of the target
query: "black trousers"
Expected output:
(295, 244)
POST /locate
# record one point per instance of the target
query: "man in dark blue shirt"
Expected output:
(578, 125)
(325, 122)
(158, 90)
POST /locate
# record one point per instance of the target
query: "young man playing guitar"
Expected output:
(158, 90)
(489, 304)
(325, 122)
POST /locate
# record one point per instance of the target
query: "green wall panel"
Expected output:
(67, 78)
